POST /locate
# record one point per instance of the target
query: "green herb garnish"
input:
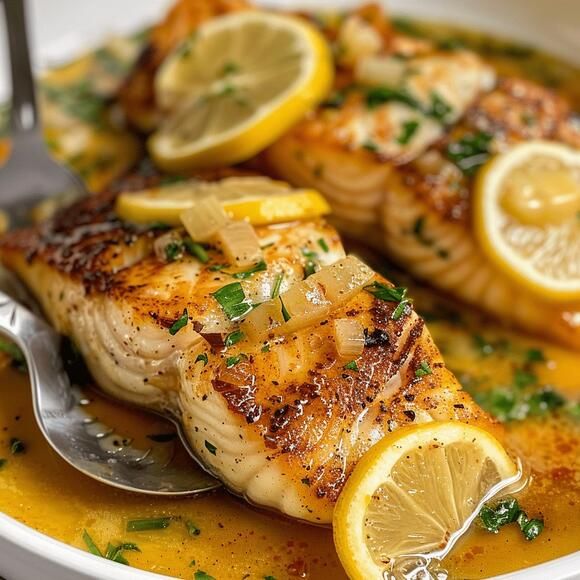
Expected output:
(390, 294)
(232, 361)
(439, 109)
(192, 529)
(2, 462)
(180, 323)
(470, 152)
(259, 267)
(377, 96)
(17, 446)
(407, 132)
(322, 243)
(202, 358)
(15, 354)
(230, 68)
(423, 370)
(232, 299)
(371, 146)
(217, 267)
(276, 287)
(534, 355)
(146, 524)
(201, 575)
(285, 313)
(196, 249)
(351, 366)
(506, 511)
(211, 448)
(113, 553)
(233, 338)
(265, 348)
(173, 251)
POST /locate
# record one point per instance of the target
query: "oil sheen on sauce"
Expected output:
(239, 541)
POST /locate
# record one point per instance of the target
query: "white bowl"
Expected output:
(62, 28)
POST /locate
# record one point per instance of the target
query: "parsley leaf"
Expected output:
(233, 300)
(470, 152)
(180, 323)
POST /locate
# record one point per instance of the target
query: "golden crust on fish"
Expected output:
(287, 422)
(409, 196)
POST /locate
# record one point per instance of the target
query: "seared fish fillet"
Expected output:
(396, 186)
(280, 421)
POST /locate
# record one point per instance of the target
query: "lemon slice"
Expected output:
(527, 217)
(413, 492)
(235, 86)
(259, 200)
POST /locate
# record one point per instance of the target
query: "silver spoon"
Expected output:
(29, 176)
(79, 438)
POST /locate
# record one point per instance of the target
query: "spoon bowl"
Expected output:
(79, 438)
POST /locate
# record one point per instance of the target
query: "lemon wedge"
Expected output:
(259, 200)
(412, 491)
(235, 86)
(527, 217)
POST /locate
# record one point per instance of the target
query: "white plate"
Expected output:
(63, 28)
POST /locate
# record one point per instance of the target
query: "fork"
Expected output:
(30, 175)
(60, 409)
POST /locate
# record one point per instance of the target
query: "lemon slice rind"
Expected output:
(374, 469)
(488, 217)
(257, 200)
(258, 125)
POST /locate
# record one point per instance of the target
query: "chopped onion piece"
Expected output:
(380, 70)
(240, 244)
(204, 219)
(305, 303)
(310, 300)
(350, 338)
(343, 279)
(263, 320)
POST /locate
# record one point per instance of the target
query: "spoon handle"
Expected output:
(24, 114)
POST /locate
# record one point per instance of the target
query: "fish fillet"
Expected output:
(404, 195)
(284, 424)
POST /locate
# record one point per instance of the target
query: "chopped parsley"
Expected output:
(192, 529)
(110, 62)
(16, 355)
(535, 355)
(351, 366)
(285, 313)
(233, 300)
(201, 575)
(113, 553)
(371, 146)
(506, 511)
(390, 294)
(211, 448)
(202, 358)
(377, 96)
(217, 267)
(230, 68)
(259, 267)
(173, 251)
(265, 348)
(233, 338)
(311, 262)
(470, 152)
(146, 524)
(196, 249)
(180, 323)
(232, 361)
(2, 462)
(407, 132)
(423, 370)
(78, 100)
(17, 446)
(439, 109)
(322, 243)
(276, 287)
